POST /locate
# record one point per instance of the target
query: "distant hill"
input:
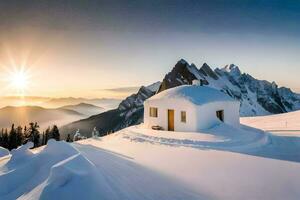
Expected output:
(85, 108)
(47, 102)
(45, 117)
(105, 103)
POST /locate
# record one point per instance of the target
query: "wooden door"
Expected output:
(170, 120)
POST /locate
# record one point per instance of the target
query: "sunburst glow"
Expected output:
(18, 80)
(16, 75)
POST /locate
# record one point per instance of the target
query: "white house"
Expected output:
(190, 108)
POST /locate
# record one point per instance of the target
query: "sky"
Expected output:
(109, 48)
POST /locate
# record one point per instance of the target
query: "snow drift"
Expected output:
(26, 170)
(220, 163)
(3, 152)
(63, 171)
(135, 163)
(75, 178)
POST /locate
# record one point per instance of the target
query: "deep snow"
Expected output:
(206, 162)
(138, 163)
(198, 95)
(281, 124)
(64, 171)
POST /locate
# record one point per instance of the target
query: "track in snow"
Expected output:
(244, 140)
(132, 181)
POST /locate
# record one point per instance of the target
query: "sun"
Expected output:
(17, 74)
(18, 80)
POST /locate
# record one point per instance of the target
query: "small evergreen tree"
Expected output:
(12, 138)
(47, 135)
(77, 136)
(43, 138)
(26, 135)
(19, 136)
(55, 133)
(5, 139)
(34, 134)
(1, 137)
(68, 138)
(95, 133)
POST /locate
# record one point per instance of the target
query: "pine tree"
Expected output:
(26, 135)
(55, 133)
(12, 139)
(43, 138)
(95, 133)
(20, 136)
(5, 139)
(47, 135)
(1, 137)
(34, 134)
(68, 138)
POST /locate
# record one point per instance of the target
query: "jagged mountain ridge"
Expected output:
(257, 97)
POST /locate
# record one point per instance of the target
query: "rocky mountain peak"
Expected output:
(181, 74)
(182, 61)
(207, 71)
(232, 69)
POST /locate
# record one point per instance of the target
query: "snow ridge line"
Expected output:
(227, 144)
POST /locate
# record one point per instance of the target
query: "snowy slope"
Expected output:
(62, 171)
(286, 123)
(206, 162)
(137, 163)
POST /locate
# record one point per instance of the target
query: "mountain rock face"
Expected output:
(257, 97)
(136, 100)
(181, 74)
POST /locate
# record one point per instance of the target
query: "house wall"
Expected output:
(162, 118)
(197, 117)
(207, 118)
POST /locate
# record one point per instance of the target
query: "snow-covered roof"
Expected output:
(198, 95)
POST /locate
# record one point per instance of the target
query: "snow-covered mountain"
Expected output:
(257, 97)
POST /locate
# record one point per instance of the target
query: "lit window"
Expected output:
(183, 116)
(153, 112)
